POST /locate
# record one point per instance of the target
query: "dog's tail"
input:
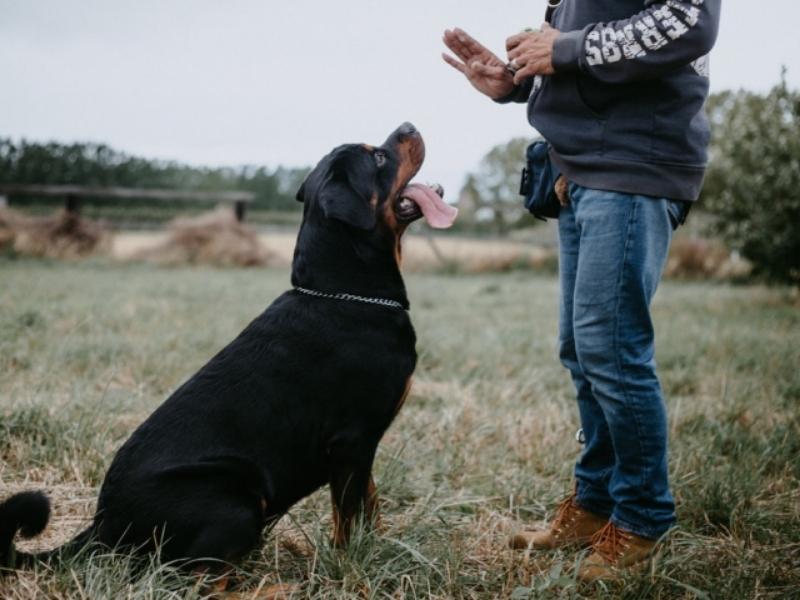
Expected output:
(28, 514)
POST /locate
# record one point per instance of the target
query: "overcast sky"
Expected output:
(281, 82)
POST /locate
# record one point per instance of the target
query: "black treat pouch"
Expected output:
(537, 185)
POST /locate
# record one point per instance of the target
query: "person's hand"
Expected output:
(484, 70)
(531, 53)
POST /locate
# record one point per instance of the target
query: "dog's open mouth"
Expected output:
(418, 200)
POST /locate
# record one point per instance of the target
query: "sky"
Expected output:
(232, 82)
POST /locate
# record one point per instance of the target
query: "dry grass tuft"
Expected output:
(469, 255)
(695, 258)
(214, 238)
(7, 228)
(64, 235)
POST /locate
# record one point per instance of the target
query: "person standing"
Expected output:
(617, 89)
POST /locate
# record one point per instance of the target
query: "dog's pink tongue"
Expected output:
(438, 213)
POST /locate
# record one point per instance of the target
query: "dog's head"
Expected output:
(367, 188)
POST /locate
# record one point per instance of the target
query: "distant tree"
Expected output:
(753, 183)
(490, 195)
(468, 203)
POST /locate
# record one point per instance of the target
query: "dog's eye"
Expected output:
(380, 159)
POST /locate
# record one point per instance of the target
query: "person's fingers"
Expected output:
(514, 41)
(492, 72)
(449, 39)
(458, 66)
(464, 37)
(527, 71)
(522, 54)
(537, 67)
(469, 43)
(546, 26)
(523, 47)
(452, 41)
(517, 62)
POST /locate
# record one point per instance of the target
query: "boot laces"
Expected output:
(611, 542)
(566, 515)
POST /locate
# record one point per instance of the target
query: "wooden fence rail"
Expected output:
(74, 194)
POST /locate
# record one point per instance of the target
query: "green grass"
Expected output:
(484, 444)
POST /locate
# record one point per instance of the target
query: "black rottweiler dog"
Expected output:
(299, 399)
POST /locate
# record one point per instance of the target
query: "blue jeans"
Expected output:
(613, 247)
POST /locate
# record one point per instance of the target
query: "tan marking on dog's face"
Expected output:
(407, 151)
(411, 153)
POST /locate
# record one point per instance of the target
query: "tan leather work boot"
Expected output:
(572, 526)
(614, 549)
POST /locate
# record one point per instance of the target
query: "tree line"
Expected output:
(99, 165)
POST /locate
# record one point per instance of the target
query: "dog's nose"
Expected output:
(405, 134)
(407, 129)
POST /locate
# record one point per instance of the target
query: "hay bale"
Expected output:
(7, 229)
(215, 238)
(64, 235)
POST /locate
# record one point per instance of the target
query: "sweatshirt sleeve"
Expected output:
(520, 93)
(666, 35)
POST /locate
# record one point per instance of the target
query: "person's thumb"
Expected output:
(476, 66)
(483, 70)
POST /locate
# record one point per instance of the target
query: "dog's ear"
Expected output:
(301, 193)
(346, 197)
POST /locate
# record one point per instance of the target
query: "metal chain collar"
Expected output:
(352, 298)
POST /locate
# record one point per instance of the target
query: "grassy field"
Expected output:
(485, 443)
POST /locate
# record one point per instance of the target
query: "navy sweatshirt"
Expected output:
(624, 109)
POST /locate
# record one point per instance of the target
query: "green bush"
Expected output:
(753, 184)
